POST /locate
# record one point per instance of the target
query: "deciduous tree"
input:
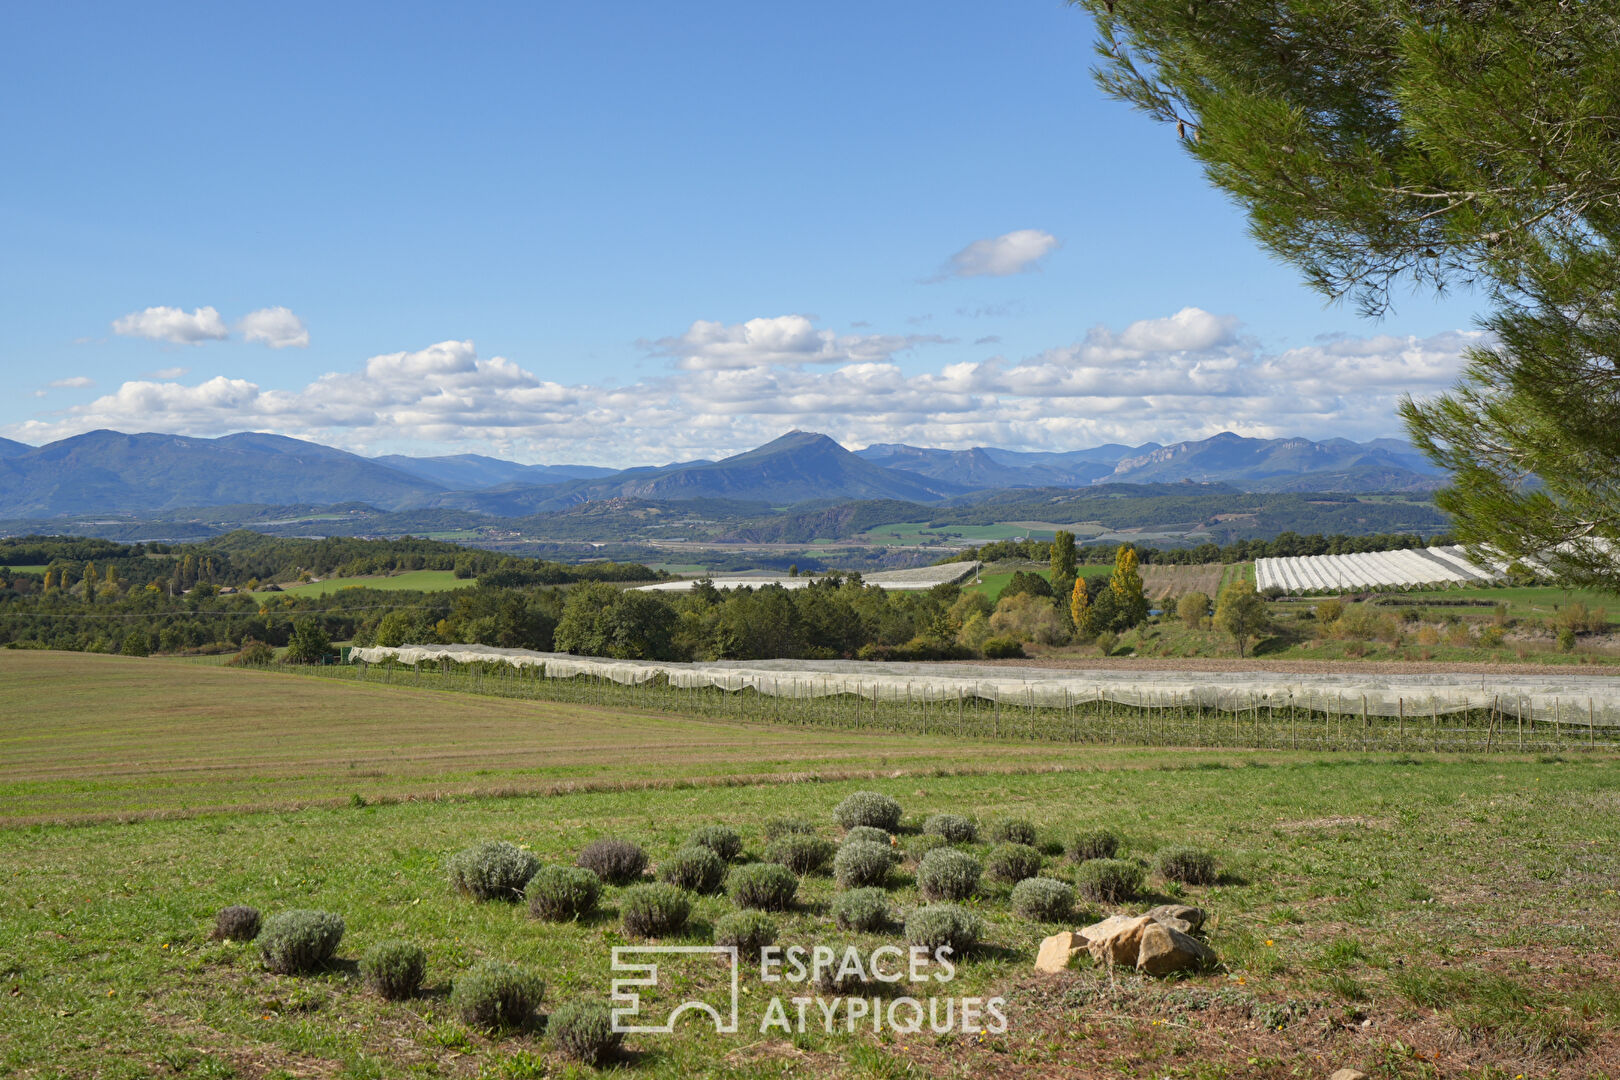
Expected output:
(1241, 612)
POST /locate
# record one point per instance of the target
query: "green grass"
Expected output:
(1494, 873)
(412, 580)
(1532, 602)
(33, 568)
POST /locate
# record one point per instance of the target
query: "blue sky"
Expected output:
(639, 232)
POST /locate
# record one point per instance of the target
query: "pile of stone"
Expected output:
(1155, 943)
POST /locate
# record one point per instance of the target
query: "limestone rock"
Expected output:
(1163, 949)
(1057, 950)
(1117, 939)
(1179, 917)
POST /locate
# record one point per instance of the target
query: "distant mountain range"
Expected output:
(111, 472)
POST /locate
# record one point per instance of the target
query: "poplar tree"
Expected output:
(1386, 144)
(1063, 556)
(1079, 602)
(1126, 585)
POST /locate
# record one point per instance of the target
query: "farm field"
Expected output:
(921, 532)
(1158, 581)
(38, 568)
(1364, 916)
(109, 736)
(414, 580)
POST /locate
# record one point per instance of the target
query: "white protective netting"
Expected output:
(1556, 697)
(1416, 568)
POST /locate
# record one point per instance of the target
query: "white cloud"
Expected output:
(1184, 376)
(784, 339)
(173, 324)
(169, 373)
(1000, 256)
(76, 382)
(276, 327)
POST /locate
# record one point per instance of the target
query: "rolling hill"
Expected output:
(108, 472)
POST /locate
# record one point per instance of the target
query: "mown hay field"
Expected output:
(87, 735)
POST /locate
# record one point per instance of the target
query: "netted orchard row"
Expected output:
(1164, 720)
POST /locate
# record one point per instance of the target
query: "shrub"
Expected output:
(1043, 899)
(860, 863)
(801, 854)
(749, 931)
(948, 874)
(1492, 636)
(300, 940)
(833, 979)
(654, 910)
(777, 828)
(919, 846)
(868, 834)
(1193, 609)
(1188, 865)
(583, 1030)
(1109, 881)
(254, 654)
(496, 995)
(1003, 648)
(394, 969)
(617, 862)
(493, 871)
(696, 868)
(762, 885)
(1566, 640)
(1106, 643)
(955, 828)
(237, 923)
(1012, 863)
(1329, 611)
(868, 808)
(861, 910)
(1013, 831)
(561, 893)
(720, 839)
(1093, 844)
(943, 925)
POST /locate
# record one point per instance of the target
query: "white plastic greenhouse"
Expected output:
(1435, 567)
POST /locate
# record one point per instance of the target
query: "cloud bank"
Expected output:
(730, 387)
